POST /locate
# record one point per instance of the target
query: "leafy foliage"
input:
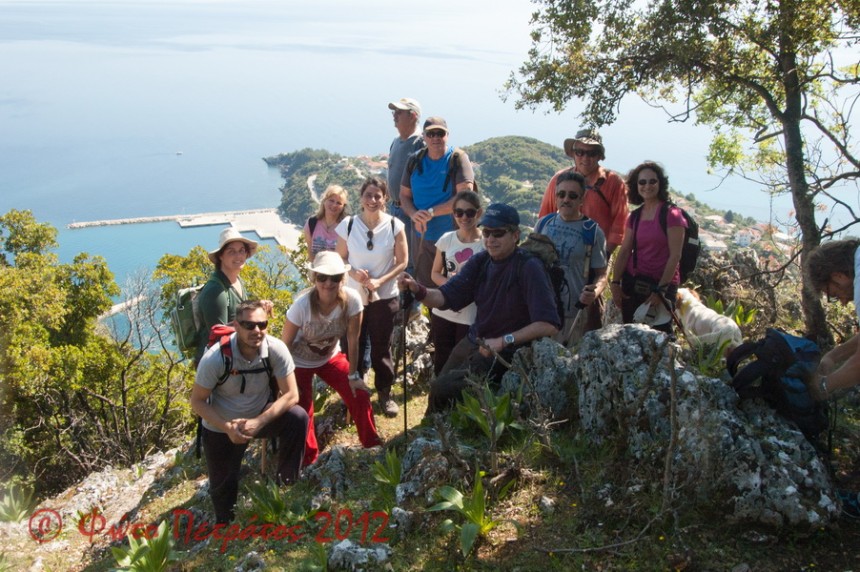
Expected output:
(16, 504)
(388, 475)
(147, 554)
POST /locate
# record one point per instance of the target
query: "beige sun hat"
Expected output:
(585, 137)
(328, 263)
(228, 235)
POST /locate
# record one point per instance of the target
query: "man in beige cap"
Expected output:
(224, 291)
(605, 200)
(406, 112)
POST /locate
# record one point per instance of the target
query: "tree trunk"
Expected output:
(814, 317)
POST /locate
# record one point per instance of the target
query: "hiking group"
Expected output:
(490, 292)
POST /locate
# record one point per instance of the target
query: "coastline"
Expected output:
(266, 223)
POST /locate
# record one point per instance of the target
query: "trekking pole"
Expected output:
(672, 313)
(406, 300)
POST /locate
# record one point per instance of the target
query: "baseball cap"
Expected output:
(406, 104)
(499, 215)
(435, 123)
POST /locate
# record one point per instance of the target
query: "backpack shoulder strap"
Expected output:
(596, 189)
(588, 231)
(635, 215)
(739, 354)
(349, 225)
(414, 161)
(312, 224)
(664, 215)
(227, 357)
(541, 224)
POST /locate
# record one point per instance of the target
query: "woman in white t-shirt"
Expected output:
(315, 323)
(453, 250)
(374, 244)
(320, 229)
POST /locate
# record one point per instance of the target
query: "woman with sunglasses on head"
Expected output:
(320, 229)
(315, 323)
(374, 244)
(646, 268)
(453, 250)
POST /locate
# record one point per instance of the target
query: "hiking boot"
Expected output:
(389, 407)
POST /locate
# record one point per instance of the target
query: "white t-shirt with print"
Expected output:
(318, 338)
(457, 253)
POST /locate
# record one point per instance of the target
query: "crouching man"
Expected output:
(236, 408)
(514, 298)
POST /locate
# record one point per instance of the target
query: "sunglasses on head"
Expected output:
(643, 182)
(586, 152)
(369, 240)
(435, 134)
(249, 325)
(468, 213)
(329, 277)
(569, 194)
(494, 232)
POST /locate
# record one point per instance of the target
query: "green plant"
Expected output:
(491, 413)
(388, 474)
(743, 317)
(473, 509)
(708, 358)
(147, 554)
(269, 505)
(5, 566)
(16, 504)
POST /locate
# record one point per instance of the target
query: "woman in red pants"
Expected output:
(315, 322)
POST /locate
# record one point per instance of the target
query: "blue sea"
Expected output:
(114, 109)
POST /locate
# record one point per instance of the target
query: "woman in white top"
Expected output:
(453, 250)
(315, 322)
(320, 229)
(374, 244)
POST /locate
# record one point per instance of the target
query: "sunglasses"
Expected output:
(643, 182)
(468, 213)
(249, 325)
(586, 153)
(435, 134)
(369, 240)
(494, 232)
(335, 278)
(569, 194)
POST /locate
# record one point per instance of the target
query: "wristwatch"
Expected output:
(354, 376)
(508, 339)
(430, 210)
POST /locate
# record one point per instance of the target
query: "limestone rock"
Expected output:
(347, 555)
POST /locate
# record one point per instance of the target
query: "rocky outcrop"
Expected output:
(738, 455)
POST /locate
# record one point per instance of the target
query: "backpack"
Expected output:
(186, 318)
(312, 224)
(454, 165)
(220, 334)
(588, 232)
(784, 365)
(691, 248)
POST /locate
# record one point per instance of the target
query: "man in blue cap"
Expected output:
(514, 298)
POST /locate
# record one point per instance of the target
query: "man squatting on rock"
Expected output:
(515, 305)
(238, 410)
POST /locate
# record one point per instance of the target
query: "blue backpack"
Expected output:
(784, 365)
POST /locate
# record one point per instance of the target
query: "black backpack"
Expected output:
(783, 366)
(691, 249)
(454, 165)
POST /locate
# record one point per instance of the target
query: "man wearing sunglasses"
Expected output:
(581, 248)
(515, 304)
(604, 202)
(431, 179)
(233, 398)
(406, 113)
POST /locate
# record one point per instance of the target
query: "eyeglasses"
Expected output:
(335, 278)
(468, 213)
(249, 325)
(369, 240)
(569, 194)
(435, 134)
(494, 232)
(586, 153)
(643, 182)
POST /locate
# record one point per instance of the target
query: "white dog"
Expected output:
(705, 325)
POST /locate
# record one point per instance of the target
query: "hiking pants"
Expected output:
(335, 373)
(376, 327)
(224, 458)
